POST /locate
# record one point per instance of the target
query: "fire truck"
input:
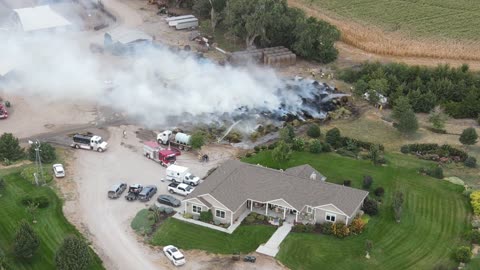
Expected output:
(152, 150)
(3, 111)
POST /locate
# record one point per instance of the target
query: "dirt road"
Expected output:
(107, 222)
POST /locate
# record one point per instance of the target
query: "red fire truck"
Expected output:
(154, 151)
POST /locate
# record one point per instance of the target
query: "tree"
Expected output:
(282, 152)
(470, 162)
(197, 140)
(282, 33)
(373, 97)
(333, 137)
(313, 131)
(437, 118)
(463, 254)
(315, 146)
(315, 39)
(375, 154)
(360, 87)
(370, 207)
(469, 136)
(26, 241)
(367, 182)
(254, 19)
(10, 148)
(379, 191)
(407, 122)
(379, 85)
(213, 8)
(397, 205)
(2, 184)
(47, 152)
(368, 247)
(73, 254)
(287, 134)
(298, 144)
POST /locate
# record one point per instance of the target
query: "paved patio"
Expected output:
(272, 246)
(228, 230)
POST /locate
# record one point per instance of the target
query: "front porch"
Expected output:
(282, 212)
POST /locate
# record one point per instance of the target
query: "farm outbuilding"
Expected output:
(121, 40)
(39, 18)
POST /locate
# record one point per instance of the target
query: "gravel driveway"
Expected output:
(108, 221)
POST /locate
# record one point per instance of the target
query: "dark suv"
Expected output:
(147, 193)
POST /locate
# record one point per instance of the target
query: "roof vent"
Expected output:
(313, 176)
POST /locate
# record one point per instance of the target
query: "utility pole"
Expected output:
(38, 176)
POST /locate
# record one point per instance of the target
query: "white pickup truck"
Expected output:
(181, 189)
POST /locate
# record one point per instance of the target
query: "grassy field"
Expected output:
(370, 127)
(244, 239)
(457, 19)
(51, 225)
(435, 216)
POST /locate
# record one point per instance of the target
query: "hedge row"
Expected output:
(361, 144)
(433, 148)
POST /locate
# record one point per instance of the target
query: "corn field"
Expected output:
(425, 28)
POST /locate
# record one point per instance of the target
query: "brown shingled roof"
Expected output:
(234, 182)
(305, 171)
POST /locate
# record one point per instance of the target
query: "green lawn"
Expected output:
(51, 225)
(435, 216)
(457, 19)
(246, 238)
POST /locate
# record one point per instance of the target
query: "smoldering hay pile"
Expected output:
(157, 87)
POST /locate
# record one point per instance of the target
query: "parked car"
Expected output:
(133, 192)
(116, 190)
(174, 255)
(249, 258)
(147, 193)
(169, 200)
(58, 170)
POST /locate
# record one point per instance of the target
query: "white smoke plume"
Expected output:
(152, 87)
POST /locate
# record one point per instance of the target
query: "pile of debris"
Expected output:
(311, 99)
(273, 56)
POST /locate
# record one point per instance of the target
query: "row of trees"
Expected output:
(10, 150)
(456, 89)
(72, 254)
(269, 23)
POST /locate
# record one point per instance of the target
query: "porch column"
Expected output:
(185, 207)
(231, 218)
(346, 221)
(251, 205)
(266, 209)
(296, 216)
(284, 212)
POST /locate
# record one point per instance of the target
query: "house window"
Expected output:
(196, 209)
(309, 209)
(220, 214)
(330, 217)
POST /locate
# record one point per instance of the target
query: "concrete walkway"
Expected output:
(272, 246)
